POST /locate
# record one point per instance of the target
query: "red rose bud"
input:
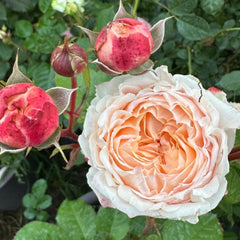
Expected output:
(124, 44)
(28, 115)
(214, 90)
(68, 59)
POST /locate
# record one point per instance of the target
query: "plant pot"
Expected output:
(11, 191)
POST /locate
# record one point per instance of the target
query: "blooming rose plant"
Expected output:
(158, 145)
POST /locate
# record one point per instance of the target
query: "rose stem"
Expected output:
(68, 132)
(147, 226)
(234, 154)
(135, 7)
(151, 221)
(155, 227)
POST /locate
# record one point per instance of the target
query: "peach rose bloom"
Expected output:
(155, 149)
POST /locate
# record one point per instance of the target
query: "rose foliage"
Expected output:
(158, 145)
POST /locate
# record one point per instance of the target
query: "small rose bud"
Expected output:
(28, 115)
(214, 90)
(124, 44)
(68, 59)
(218, 93)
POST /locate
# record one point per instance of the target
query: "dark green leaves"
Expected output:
(193, 27)
(21, 5)
(3, 12)
(180, 7)
(189, 25)
(44, 5)
(233, 177)
(231, 81)
(104, 17)
(212, 7)
(23, 28)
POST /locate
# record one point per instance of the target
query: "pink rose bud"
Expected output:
(68, 59)
(124, 44)
(214, 90)
(28, 115)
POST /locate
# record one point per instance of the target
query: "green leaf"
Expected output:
(43, 75)
(42, 216)
(229, 24)
(104, 17)
(86, 77)
(42, 43)
(77, 219)
(153, 237)
(212, 6)
(39, 188)
(230, 81)
(233, 177)
(44, 5)
(112, 221)
(21, 5)
(208, 228)
(29, 213)
(4, 67)
(41, 230)
(5, 52)
(137, 225)
(24, 28)
(180, 7)
(3, 12)
(237, 139)
(193, 27)
(29, 200)
(44, 202)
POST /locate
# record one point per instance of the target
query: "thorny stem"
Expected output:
(151, 222)
(234, 154)
(72, 104)
(72, 115)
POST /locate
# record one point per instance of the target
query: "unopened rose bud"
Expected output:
(28, 115)
(124, 44)
(68, 59)
(218, 93)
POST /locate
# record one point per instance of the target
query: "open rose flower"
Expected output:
(156, 148)
(28, 115)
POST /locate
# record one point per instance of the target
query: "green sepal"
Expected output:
(61, 97)
(5, 148)
(91, 35)
(86, 77)
(122, 13)
(17, 76)
(158, 31)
